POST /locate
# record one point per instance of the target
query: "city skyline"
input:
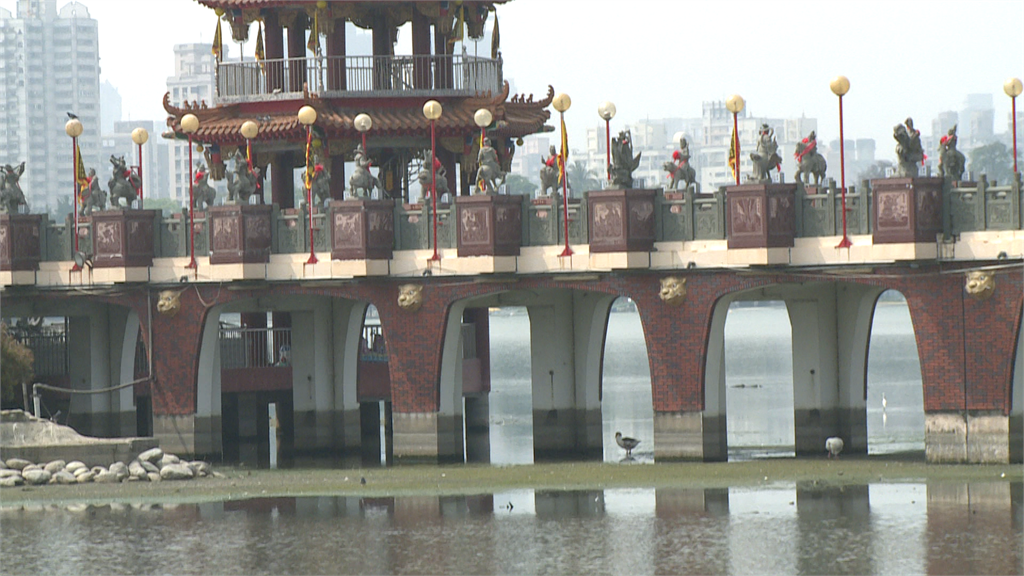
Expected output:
(663, 60)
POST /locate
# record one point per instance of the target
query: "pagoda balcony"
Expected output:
(358, 77)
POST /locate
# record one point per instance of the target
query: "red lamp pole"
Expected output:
(841, 85)
(309, 196)
(191, 212)
(74, 194)
(565, 195)
(608, 146)
(141, 202)
(736, 145)
(433, 186)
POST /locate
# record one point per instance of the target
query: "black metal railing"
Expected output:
(339, 76)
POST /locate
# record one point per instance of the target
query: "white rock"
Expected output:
(36, 476)
(149, 466)
(11, 481)
(75, 466)
(63, 477)
(120, 469)
(78, 472)
(177, 471)
(106, 477)
(154, 476)
(151, 455)
(200, 468)
(32, 467)
(7, 473)
(55, 466)
(98, 469)
(3, 465)
(167, 460)
(17, 463)
(136, 470)
(85, 477)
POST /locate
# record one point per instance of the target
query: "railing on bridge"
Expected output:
(679, 216)
(358, 76)
(254, 347)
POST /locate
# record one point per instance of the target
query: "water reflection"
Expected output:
(784, 528)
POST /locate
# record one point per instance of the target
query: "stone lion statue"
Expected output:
(980, 284)
(169, 303)
(673, 290)
(410, 297)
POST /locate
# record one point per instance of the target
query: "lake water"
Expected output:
(778, 528)
(894, 529)
(759, 380)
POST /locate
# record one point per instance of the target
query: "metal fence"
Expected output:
(49, 346)
(255, 347)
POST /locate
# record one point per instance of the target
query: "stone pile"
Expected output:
(150, 466)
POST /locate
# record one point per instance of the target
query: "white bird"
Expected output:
(626, 443)
(834, 445)
(884, 402)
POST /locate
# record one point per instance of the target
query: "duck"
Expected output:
(834, 446)
(626, 443)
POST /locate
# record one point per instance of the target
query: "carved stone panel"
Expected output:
(19, 241)
(240, 233)
(907, 209)
(123, 238)
(362, 229)
(489, 225)
(761, 215)
(621, 220)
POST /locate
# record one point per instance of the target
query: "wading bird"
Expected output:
(626, 443)
(834, 445)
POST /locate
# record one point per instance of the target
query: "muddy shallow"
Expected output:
(239, 483)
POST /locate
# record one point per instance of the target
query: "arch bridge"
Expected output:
(137, 312)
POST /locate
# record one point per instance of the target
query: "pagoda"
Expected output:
(301, 61)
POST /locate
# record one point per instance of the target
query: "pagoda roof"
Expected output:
(278, 121)
(356, 11)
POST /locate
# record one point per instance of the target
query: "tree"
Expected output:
(582, 179)
(516, 184)
(61, 210)
(15, 368)
(165, 205)
(993, 160)
(877, 169)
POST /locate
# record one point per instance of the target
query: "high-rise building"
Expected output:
(193, 82)
(110, 107)
(49, 66)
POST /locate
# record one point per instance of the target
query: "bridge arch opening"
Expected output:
(83, 346)
(759, 379)
(627, 405)
(894, 390)
(546, 349)
(278, 381)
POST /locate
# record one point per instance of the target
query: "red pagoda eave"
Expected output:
(278, 119)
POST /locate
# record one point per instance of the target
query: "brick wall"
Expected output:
(966, 347)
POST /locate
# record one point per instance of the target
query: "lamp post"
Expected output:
(307, 116)
(561, 103)
(840, 85)
(140, 136)
(483, 118)
(189, 125)
(432, 111)
(735, 105)
(74, 129)
(249, 131)
(1013, 88)
(607, 111)
(363, 123)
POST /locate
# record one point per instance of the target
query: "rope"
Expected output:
(41, 386)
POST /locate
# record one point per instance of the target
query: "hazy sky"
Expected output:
(663, 59)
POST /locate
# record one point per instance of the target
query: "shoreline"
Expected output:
(239, 483)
